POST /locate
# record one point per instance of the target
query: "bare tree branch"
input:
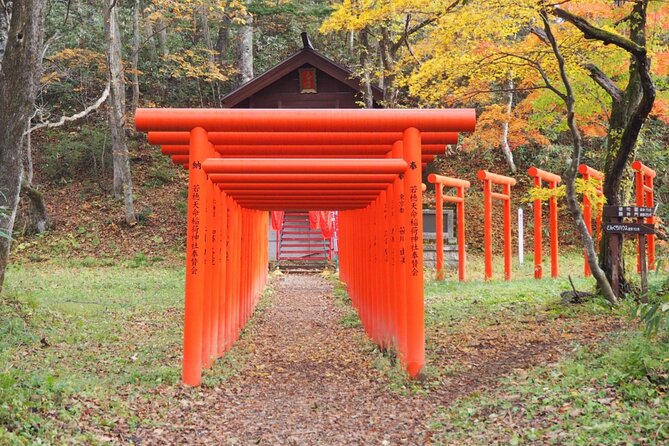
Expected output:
(540, 33)
(604, 81)
(65, 119)
(594, 33)
(67, 11)
(409, 31)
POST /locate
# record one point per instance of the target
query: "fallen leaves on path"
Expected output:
(306, 379)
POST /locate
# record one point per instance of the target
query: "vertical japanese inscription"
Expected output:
(413, 222)
(195, 236)
(402, 230)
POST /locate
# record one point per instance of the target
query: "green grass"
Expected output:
(613, 393)
(350, 318)
(84, 341)
(605, 396)
(81, 340)
(450, 301)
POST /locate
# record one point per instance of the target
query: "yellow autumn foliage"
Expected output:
(469, 50)
(587, 188)
(194, 65)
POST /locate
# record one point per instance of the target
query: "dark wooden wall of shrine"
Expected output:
(285, 93)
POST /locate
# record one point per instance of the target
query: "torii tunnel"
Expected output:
(364, 163)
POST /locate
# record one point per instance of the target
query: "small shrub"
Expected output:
(160, 176)
(143, 215)
(655, 316)
(182, 207)
(139, 261)
(351, 320)
(83, 154)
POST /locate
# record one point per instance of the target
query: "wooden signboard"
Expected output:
(307, 80)
(629, 228)
(628, 211)
(615, 225)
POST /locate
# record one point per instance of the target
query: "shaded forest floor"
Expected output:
(91, 354)
(86, 221)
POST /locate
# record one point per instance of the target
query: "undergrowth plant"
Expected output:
(654, 314)
(4, 210)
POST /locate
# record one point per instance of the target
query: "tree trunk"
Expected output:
(206, 32)
(246, 49)
(506, 149)
(136, 36)
(37, 217)
(388, 62)
(366, 69)
(28, 167)
(148, 31)
(121, 159)
(570, 176)
(18, 80)
(629, 111)
(5, 18)
(223, 40)
(627, 117)
(161, 30)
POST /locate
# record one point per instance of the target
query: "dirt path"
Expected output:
(308, 380)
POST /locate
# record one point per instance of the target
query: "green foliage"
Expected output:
(69, 345)
(160, 175)
(588, 188)
(654, 314)
(653, 151)
(591, 189)
(82, 154)
(350, 318)
(598, 397)
(182, 207)
(544, 193)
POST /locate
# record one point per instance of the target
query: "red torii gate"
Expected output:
(365, 163)
(645, 196)
(553, 180)
(439, 182)
(489, 179)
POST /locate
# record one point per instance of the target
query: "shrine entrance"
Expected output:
(364, 163)
(306, 79)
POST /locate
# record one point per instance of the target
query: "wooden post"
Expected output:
(508, 253)
(538, 235)
(414, 239)
(195, 270)
(487, 228)
(439, 230)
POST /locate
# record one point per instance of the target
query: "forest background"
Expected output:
(93, 187)
(91, 315)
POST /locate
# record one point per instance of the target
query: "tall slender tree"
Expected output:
(136, 37)
(630, 107)
(117, 111)
(246, 48)
(22, 35)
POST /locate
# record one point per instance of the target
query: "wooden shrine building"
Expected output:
(307, 79)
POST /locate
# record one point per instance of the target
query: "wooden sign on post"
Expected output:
(616, 226)
(628, 211)
(629, 228)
